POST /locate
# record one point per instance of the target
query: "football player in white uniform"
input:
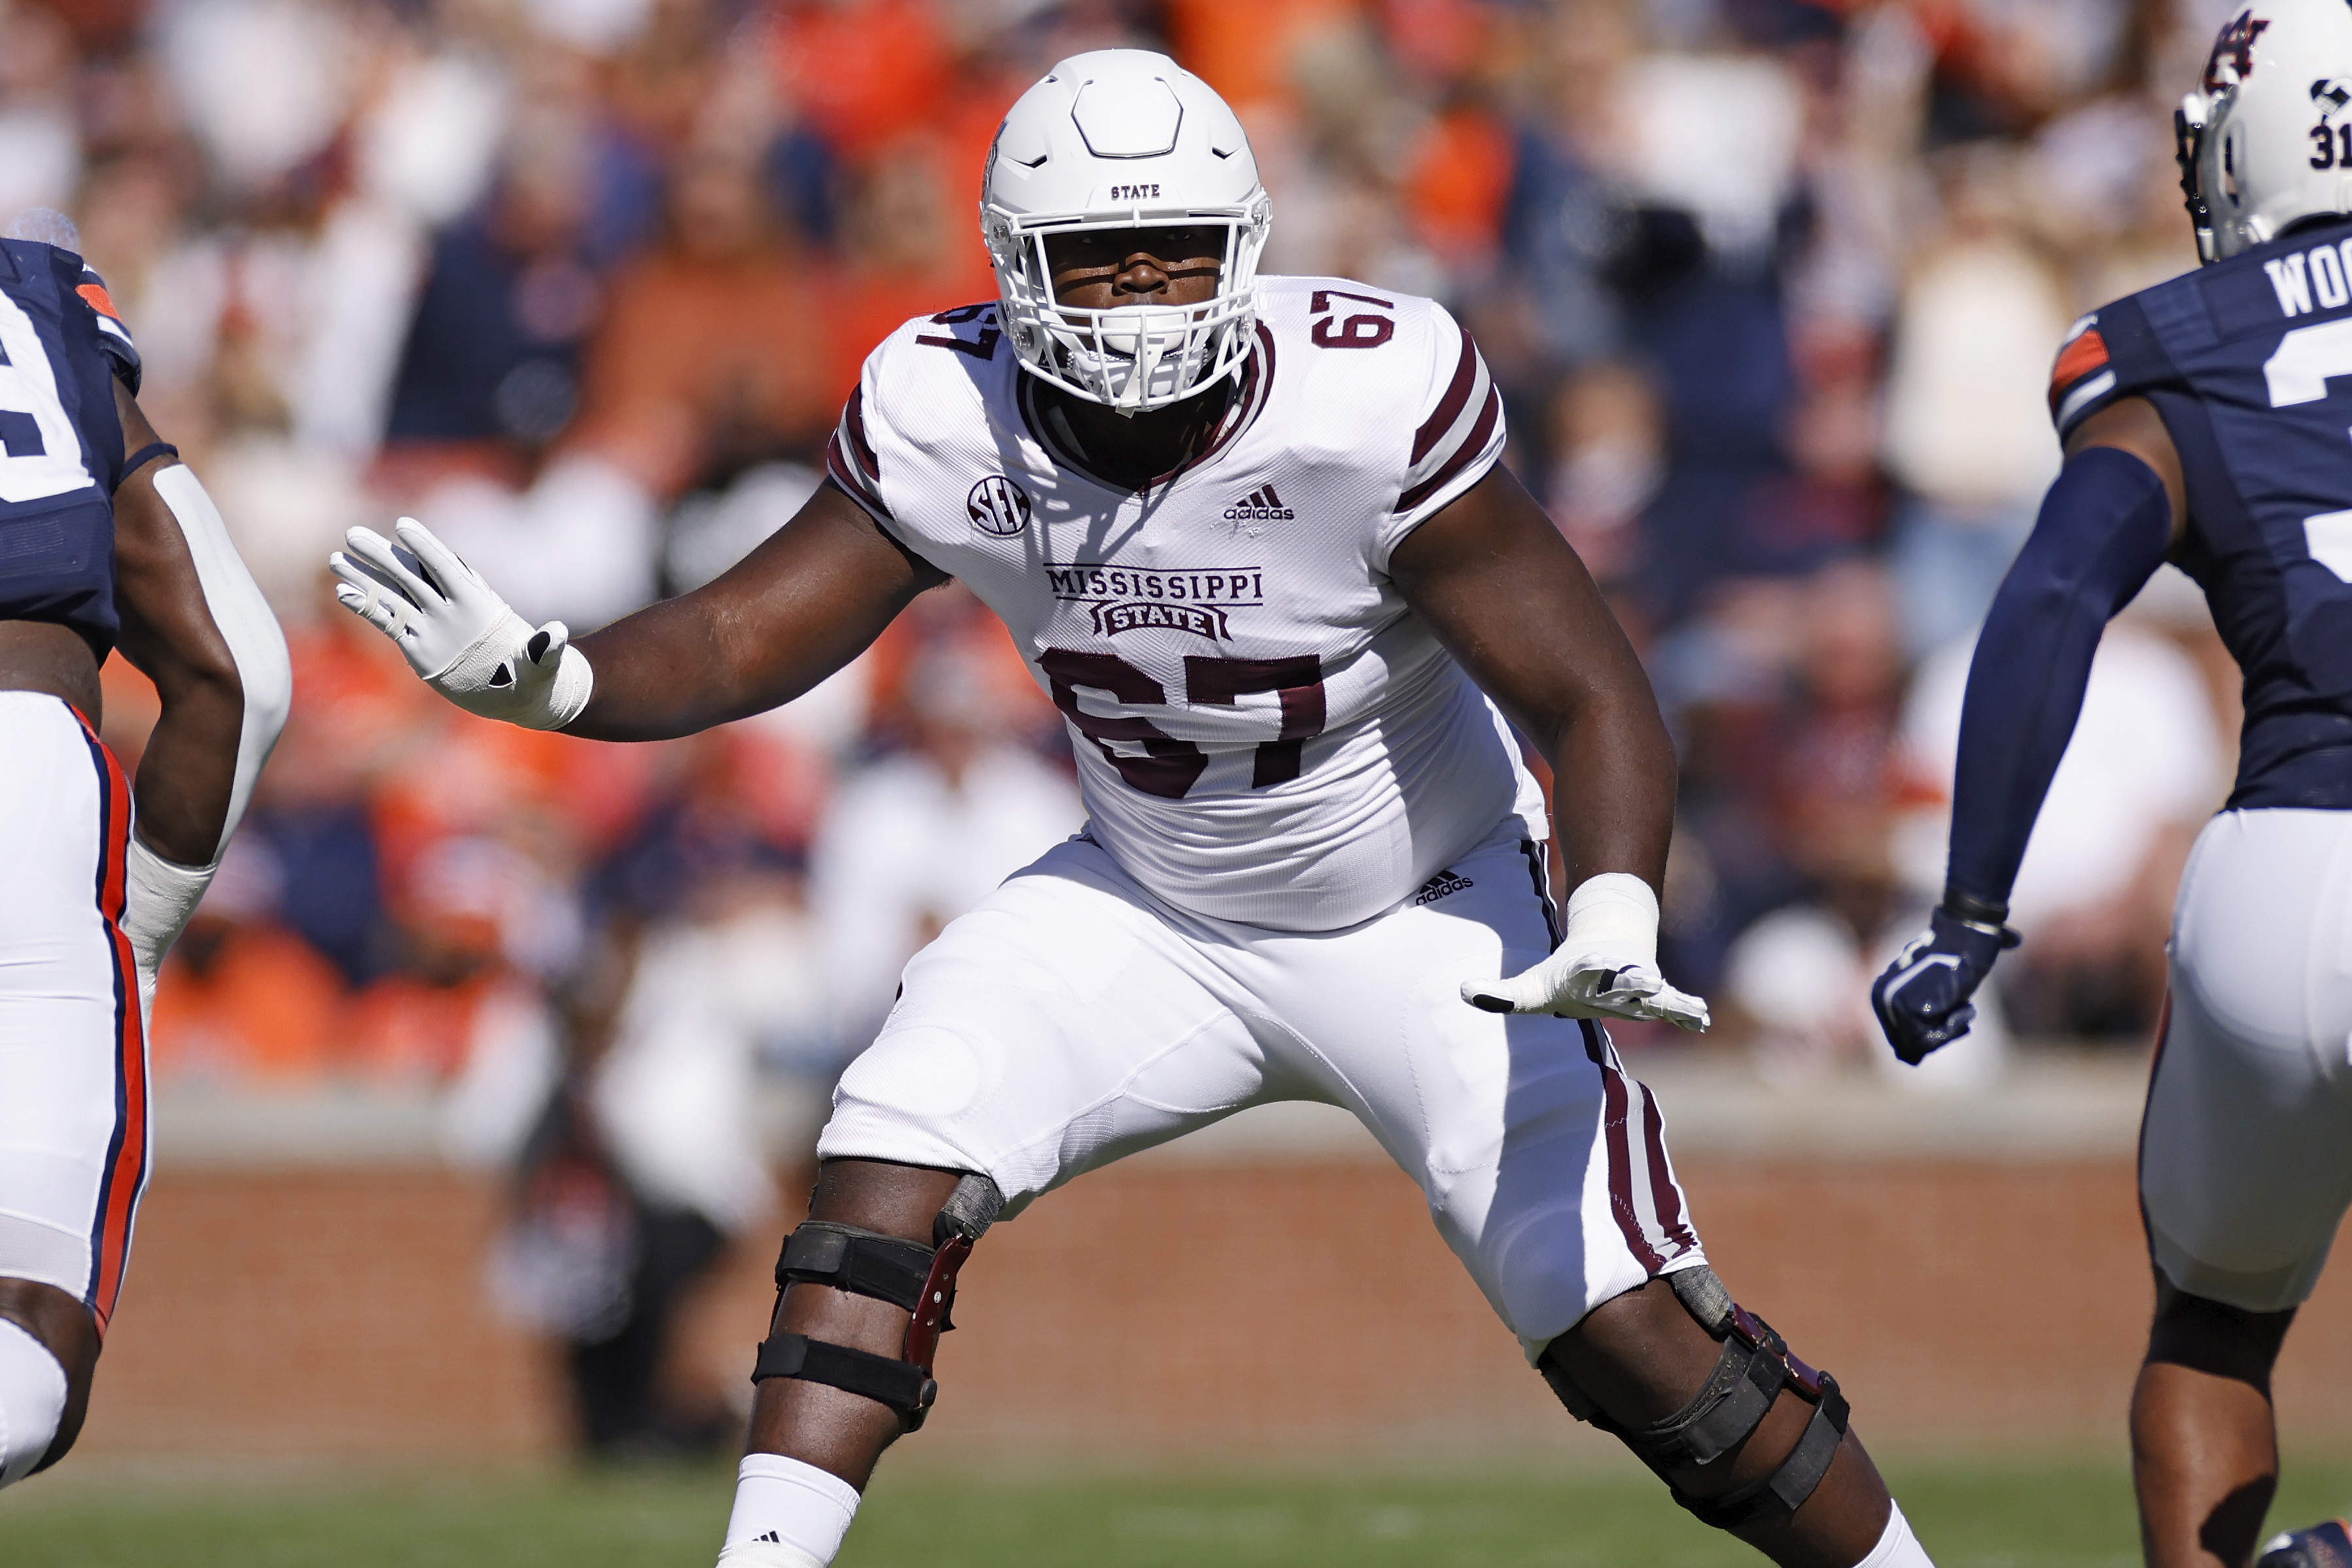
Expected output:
(1252, 537)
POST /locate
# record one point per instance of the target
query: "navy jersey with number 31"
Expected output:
(2250, 363)
(61, 452)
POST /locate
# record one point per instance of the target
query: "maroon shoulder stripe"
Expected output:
(845, 474)
(853, 420)
(1463, 455)
(1449, 408)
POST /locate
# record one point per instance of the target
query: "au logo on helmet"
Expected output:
(998, 507)
(2235, 49)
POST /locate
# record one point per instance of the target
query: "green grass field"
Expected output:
(1974, 1514)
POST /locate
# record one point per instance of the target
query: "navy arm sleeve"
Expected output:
(2104, 530)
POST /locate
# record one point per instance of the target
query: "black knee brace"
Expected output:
(907, 1274)
(1754, 1365)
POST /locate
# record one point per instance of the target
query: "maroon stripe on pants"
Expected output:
(1621, 1158)
(1665, 1196)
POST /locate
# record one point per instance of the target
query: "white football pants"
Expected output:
(2246, 1152)
(1072, 1018)
(73, 1139)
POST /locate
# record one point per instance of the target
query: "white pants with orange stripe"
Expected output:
(1073, 1018)
(2246, 1150)
(73, 1139)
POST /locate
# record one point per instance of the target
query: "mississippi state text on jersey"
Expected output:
(1264, 734)
(2248, 362)
(60, 441)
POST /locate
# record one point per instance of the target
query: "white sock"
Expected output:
(1897, 1548)
(32, 1401)
(787, 1514)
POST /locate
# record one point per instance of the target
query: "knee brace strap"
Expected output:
(1792, 1480)
(906, 1388)
(918, 1278)
(864, 1262)
(1753, 1368)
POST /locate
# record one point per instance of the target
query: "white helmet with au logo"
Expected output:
(1123, 139)
(2266, 139)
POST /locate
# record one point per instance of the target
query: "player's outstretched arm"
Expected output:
(2114, 511)
(811, 598)
(1510, 599)
(196, 623)
(805, 602)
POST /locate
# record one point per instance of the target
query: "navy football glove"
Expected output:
(1922, 999)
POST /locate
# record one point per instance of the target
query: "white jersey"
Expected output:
(1264, 733)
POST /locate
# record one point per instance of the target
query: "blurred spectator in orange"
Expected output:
(863, 71)
(910, 247)
(1456, 185)
(712, 354)
(460, 913)
(1246, 48)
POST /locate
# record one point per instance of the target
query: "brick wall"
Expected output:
(1171, 1306)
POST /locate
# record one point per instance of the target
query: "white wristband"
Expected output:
(569, 694)
(1616, 908)
(159, 895)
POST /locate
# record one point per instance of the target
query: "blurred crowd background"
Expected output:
(1772, 287)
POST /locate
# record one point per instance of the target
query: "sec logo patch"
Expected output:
(998, 507)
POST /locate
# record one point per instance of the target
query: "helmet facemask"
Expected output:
(1130, 357)
(2188, 123)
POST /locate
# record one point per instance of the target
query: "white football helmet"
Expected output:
(1123, 139)
(2266, 139)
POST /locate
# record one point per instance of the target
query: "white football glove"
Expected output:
(1606, 968)
(457, 633)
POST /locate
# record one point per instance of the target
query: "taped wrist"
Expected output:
(1615, 909)
(499, 675)
(1753, 1368)
(917, 1279)
(570, 690)
(159, 898)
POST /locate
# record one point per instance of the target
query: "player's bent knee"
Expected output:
(1704, 1437)
(32, 1402)
(918, 1278)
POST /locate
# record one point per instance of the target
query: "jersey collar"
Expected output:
(1258, 380)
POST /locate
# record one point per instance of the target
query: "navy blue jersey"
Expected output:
(61, 347)
(2250, 363)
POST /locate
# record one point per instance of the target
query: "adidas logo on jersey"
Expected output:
(1445, 884)
(1261, 505)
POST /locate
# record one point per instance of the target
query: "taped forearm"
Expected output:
(255, 643)
(2104, 530)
